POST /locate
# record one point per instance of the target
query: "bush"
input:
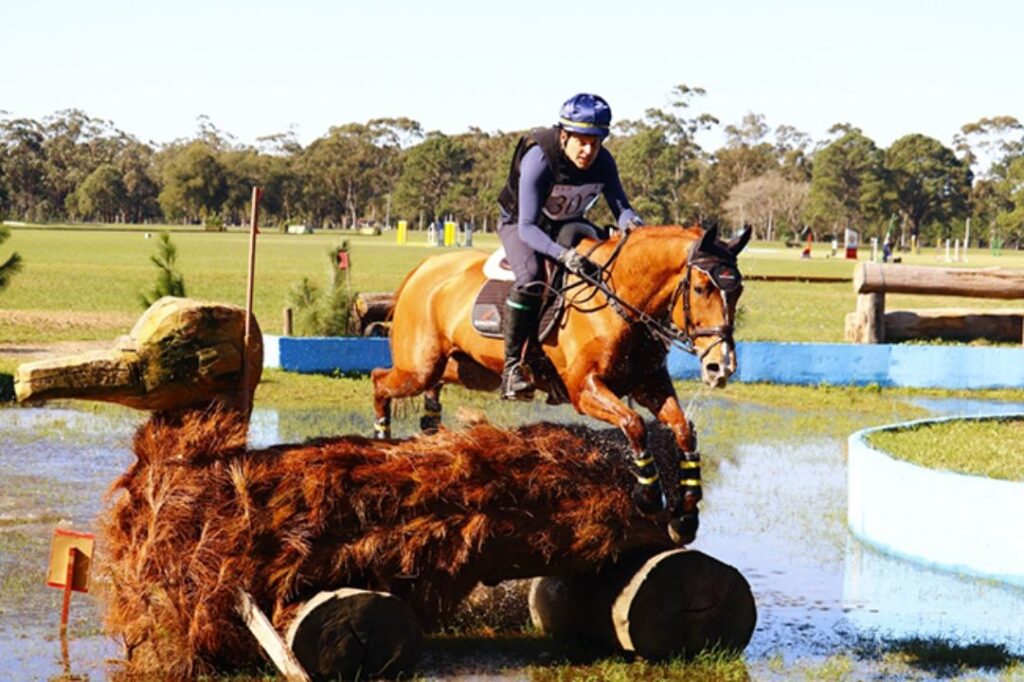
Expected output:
(323, 312)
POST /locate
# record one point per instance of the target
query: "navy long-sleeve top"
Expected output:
(535, 179)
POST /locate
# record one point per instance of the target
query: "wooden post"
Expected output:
(287, 325)
(65, 608)
(253, 231)
(259, 625)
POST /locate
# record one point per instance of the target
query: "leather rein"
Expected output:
(664, 329)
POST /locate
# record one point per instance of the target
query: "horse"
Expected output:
(660, 285)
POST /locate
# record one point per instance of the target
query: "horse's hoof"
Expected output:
(649, 499)
(683, 530)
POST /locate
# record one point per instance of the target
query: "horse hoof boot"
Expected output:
(648, 499)
(381, 431)
(683, 530)
(430, 424)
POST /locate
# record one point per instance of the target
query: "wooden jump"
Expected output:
(872, 281)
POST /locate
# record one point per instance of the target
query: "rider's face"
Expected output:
(581, 149)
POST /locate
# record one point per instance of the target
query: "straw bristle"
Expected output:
(199, 517)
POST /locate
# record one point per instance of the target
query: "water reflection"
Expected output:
(776, 509)
(894, 599)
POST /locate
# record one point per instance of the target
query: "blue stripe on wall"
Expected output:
(785, 363)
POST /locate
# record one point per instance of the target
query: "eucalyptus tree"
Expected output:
(849, 183)
(931, 186)
(102, 195)
(75, 144)
(24, 168)
(354, 166)
(135, 161)
(1010, 189)
(194, 182)
(490, 156)
(434, 177)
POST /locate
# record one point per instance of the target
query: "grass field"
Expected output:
(995, 449)
(82, 284)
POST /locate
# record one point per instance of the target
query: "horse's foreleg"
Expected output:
(430, 421)
(598, 401)
(660, 398)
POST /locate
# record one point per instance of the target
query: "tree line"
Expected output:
(73, 167)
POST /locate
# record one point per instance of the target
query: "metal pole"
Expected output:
(253, 231)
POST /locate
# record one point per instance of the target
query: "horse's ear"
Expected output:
(736, 244)
(707, 242)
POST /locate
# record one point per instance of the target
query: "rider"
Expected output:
(557, 174)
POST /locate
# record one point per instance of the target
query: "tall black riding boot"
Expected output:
(520, 322)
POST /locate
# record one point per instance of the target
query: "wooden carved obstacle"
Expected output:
(181, 353)
(872, 281)
(346, 546)
(657, 604)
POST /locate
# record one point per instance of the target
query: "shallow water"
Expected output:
(775, 509)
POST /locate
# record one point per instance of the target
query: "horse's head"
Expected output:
(706, 308)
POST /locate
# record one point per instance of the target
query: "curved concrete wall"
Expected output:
(968, 524)
(785, 363)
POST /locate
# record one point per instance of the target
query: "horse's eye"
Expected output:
(699, 290)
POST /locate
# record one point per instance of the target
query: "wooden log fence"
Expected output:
(870, 323)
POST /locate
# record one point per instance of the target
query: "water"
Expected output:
(775, 509)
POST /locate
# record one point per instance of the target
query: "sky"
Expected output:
(257, 68)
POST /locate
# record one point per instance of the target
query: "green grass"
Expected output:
(994, 450)
(97, 271)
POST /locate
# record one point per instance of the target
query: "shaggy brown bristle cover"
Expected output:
(199, 516)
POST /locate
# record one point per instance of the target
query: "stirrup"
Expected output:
(514, 385)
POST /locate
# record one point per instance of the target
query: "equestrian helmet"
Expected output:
(586, 114)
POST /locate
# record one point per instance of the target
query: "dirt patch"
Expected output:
(50, 320)
(28, 352)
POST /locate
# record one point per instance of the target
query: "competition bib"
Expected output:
(571, 201)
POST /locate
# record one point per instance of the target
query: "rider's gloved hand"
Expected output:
(579, 264)
(632, 224)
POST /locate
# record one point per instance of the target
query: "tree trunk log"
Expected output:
(352, 634)
(659, 605)
(876, 278)
(370, 307)
(960, 324)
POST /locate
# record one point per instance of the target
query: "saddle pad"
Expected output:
(489, 310)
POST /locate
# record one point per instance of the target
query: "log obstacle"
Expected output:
(355, 634)
(655, 604)
(872, 281)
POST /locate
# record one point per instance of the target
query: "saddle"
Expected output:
(489, 306)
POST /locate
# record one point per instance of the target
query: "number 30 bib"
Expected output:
(566, 202)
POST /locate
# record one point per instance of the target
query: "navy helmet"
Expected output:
(586, 114)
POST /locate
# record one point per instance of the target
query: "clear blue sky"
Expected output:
(255, 68)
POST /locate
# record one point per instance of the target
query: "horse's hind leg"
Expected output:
(389, 384)
(430, 421)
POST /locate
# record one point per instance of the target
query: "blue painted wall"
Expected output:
(786, 363)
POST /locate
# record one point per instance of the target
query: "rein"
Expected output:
(665, 330)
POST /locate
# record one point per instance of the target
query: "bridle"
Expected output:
(722, 272)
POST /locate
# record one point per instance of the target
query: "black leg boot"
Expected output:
(520, 322)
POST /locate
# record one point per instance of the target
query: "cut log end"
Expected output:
(676, 603)
(352, 634)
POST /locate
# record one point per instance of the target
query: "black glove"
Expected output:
(579, 265)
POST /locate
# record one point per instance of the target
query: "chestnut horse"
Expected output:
(661, 286)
